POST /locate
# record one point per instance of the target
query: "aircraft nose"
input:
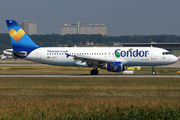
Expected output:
(174, 59)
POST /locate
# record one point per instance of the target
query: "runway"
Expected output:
(28, 63)
(97, 76)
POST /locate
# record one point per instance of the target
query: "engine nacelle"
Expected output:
(114, 66)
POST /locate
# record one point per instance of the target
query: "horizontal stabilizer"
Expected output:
(20, 53)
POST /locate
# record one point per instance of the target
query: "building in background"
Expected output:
(29, 27)
(84, 28)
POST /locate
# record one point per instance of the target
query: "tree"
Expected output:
(69, 42)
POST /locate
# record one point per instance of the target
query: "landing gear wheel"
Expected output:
(97, 72)
(153, 73)
(94, 72)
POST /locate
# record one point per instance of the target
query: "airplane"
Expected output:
(113, 59)
(4, 57)
(7, 55)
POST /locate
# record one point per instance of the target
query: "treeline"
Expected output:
(54, 39)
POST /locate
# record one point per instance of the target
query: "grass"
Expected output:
(80, 108)
(18, 62)
(167, 88)
(23, 98)
(90, 83)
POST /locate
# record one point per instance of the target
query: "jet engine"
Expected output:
(113, 66)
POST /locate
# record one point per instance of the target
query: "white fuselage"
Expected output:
(129, 56)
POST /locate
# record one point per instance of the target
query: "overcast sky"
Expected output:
(123, 17)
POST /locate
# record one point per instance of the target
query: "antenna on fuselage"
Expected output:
(151, 46)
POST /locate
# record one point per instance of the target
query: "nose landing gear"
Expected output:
(153, 71)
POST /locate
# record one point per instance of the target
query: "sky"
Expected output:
(123, 17)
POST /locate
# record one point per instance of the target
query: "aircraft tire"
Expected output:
(94, 72)
(153, 73)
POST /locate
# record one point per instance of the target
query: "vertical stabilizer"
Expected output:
(19, 39)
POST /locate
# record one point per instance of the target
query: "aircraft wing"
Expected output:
(89, 60)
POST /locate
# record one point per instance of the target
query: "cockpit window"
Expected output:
(166, 53)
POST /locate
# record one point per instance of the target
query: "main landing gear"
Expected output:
(153, 71)
(94, 72)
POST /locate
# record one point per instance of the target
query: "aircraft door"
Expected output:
(153, 54)
(38, 54)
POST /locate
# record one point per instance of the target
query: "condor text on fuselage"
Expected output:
(131, 53)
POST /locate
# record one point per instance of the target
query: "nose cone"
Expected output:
(174, 59)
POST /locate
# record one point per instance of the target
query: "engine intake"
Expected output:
(114, 66)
